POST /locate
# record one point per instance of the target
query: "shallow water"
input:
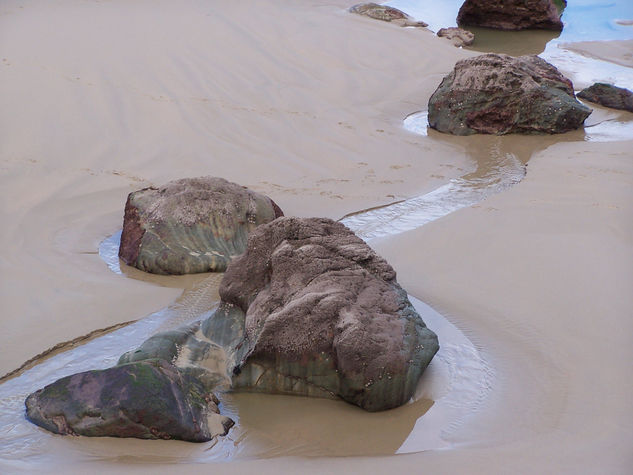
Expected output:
(499, 162)
(453, 386)
(495, 169)
(584, 20)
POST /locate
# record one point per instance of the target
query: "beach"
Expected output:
(305, 102)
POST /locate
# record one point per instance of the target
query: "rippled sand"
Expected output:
(305, 102)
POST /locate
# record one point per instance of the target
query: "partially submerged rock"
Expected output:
(385, 13)
(512, 14)
(150, 399)
(309, 309)
(458, 36)
(324, 316)
(500, 94)
(191, 225)
(609, 96)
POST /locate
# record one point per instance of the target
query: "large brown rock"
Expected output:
(609, 95)
(501, 94)
(386, 13)
(512, 14)
(149, 399)
(309, 309)
(191, 225)
(323, 315)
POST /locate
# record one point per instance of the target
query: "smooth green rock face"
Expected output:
(163, 346)
(500, 94)
(191, 225)
(609, 95)
(150, 399)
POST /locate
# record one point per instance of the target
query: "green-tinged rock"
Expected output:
(501, 94)
(163, 346)
(191, 225)
(149, 399)
(309, 309)
(386, 13)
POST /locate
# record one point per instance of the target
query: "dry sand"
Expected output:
(304, 102)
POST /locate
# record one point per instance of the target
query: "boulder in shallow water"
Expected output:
(150, 399)
(512, 14)
(191, 225)
(385, 13)
(501, 94)
(323, 316)
(458, 36)
(609, 96)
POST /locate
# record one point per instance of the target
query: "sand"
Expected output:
(101, 98)
(616, 51)
(304, 102)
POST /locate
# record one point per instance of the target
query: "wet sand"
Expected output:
(307, 106)
(101, 99)
(617, 51)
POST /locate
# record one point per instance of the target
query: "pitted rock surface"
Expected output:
(609, 96)
(323, 316)
(458, 36)
(385, 13)
(512, 14)
(149, 399)
(501, 94)
(191, 225)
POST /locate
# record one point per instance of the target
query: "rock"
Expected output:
(512, 14)
(458, 36)
(323, 316)
(148, 400)
(609, 96)
(500, 94)
(385, 13)
(185, 346)
(309, 309)
(191, 225)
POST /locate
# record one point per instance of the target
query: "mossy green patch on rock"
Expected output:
(147, 399)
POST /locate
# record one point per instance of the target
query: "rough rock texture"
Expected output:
(458, 36)
(191, 225)
(150, 399)
(512, 14)
(500, 94)
(308, 309)
(385, 13)
(609, 96)
(324, 316)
